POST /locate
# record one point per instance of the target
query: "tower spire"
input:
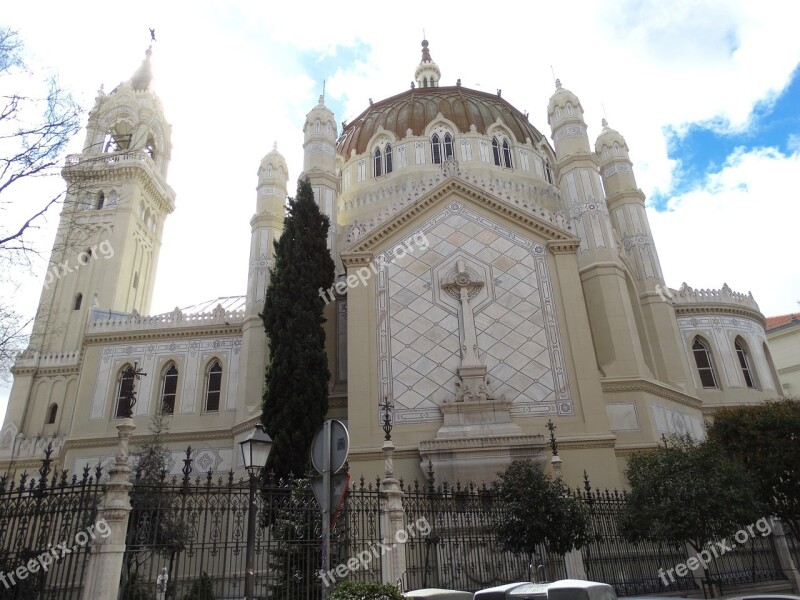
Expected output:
(427, 73)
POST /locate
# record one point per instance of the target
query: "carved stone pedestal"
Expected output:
(479, 458)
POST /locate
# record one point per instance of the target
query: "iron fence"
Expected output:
(460, 549)
(46, 527)
(794, 545)
(194, 530)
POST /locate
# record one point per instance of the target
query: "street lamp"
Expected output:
(255, 451)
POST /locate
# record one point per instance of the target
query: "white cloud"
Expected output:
(739, 227)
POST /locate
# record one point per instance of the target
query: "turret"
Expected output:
(626, 206)
(319, 162)
(266, 225)
(613, 307)
(629, 219)
(578, 177)
(427, 73)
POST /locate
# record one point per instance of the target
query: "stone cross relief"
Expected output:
(473, 383)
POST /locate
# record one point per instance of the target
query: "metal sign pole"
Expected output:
(326, 505)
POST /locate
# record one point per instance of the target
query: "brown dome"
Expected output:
(416, 108)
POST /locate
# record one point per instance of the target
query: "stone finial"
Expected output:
(604, 123)
(558, 84)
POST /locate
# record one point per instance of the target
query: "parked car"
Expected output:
(439, 594)
(564, 589)
(765, 597)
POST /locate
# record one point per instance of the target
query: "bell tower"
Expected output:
(117, 199)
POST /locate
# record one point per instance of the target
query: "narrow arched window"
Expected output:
(436, 149)
(448, 146)
(123, 406)
(705, 365)
(269, 170)
(52, 413)
(78, 301)
(169, 390)
(424, 82)
(507, 155)
(213, 386)
(376, 161)
(744, 362)
(317, 126)
(548, 171)
(101, 200)
(388, 155)
(496, 151)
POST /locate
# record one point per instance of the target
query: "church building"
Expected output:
(490, 278)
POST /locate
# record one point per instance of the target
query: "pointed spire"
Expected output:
(427, 73)
(426, 54)
(144, 74)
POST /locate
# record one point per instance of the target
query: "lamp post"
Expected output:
(255, 451)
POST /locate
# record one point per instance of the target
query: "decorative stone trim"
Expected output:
(651, 387)
(587, 442)
(557, 230)
(627, 450)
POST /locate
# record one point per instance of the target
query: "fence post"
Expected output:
(393, 563)
(785, 559)
(107, 554)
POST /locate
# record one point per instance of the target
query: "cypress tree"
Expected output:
(295, 399)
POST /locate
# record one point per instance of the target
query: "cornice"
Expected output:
(132, 335)
(587, 442)
(626, 450)
(651, 387)
(110, 440)
(713, 308)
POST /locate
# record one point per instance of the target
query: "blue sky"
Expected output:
(703, 148)
(705, 93)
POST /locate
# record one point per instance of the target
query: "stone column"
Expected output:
(393, 563)
(107, 554)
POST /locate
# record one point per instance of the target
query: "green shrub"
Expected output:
(202, 588)
(355, 590)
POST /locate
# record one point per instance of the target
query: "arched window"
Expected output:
(744, 362)
(507, 155)
(705, 366)
(436, 149)
(548, 171)
(150, 148)
(496, 151)
(101, 200)
(52, 413)
(388, 155)
(169, 389)
(78, 300)
(424, 82)
(213, 386)
(330, 130)
(123, 406)
(317, 126)
(448, 146)
(269, 170)
(376, 161)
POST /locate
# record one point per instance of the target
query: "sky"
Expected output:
(706, 94)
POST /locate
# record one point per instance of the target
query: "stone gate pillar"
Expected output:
(108, 553)
(393, 563)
